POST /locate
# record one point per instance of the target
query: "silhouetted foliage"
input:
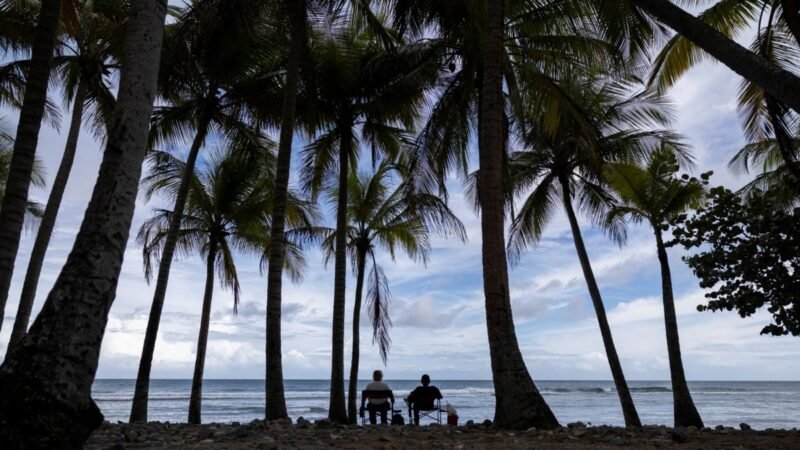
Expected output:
(749, 256)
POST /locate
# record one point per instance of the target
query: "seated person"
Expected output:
(379, 398)
(423, 397)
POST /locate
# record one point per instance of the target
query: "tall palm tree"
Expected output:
(275, 406)
(15, 200)
(382, 218)
(363, 93)
(45, 386)
(629, 23)
(226, 209)
(84, 63)
(653, 194)
(211, 63)
(566, 165)
(539, 43)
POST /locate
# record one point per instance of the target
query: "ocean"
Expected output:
(757, 403)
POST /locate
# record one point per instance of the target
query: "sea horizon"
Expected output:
(760, 404)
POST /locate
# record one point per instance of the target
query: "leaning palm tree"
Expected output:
(362, 93)
(654, 195)
(86, 59)
(226, 209)
(45, 386)
(630, 24)
(386, 219)
(566, 165)
(206, 81)
(765, 119)
(15, 200)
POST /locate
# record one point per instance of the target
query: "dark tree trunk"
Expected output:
(685, 412)
(275, 407)
(791, 15)
(15, 201)
(142, 390)
(336, 409)
(48, 222)
(45, 386)
(777, 81)
(196, 398)
(518, 402)
(785, 141)
(625, 399)
(352, 397)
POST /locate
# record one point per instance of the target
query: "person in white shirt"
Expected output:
(379, 398)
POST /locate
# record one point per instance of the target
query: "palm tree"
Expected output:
(566, 164)
(15, 200)
(653, 194)
(275, 406)
(226, 209)
(206, 84)
(629, 23)
(379, 217)
(45, 386)
(358, 86)
(539, 43)
(84, 64)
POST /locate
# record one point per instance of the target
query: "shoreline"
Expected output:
(260, 434)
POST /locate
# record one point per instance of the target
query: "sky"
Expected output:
(438, 309)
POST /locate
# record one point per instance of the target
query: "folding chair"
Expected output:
(426, 407)
(377, 395)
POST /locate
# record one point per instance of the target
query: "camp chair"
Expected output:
(427, 407)
(377, 395)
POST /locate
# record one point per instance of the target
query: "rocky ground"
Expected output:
(304, 434)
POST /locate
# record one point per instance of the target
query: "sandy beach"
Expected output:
(304, 434)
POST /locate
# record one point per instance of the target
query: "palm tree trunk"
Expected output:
(785, 141)
(336, 409)
(142, 390)
(684, 410)
(45, 386)
(777, 81)
(48, 222)
(15, 201)
(625, 399)
(791, 15)
(518, 402)
(196, 398)
(352, 397)
(275, 407)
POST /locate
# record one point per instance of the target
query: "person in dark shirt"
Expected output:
(423, 397)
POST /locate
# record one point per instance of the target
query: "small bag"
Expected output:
(397, 419)
(452, 415)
